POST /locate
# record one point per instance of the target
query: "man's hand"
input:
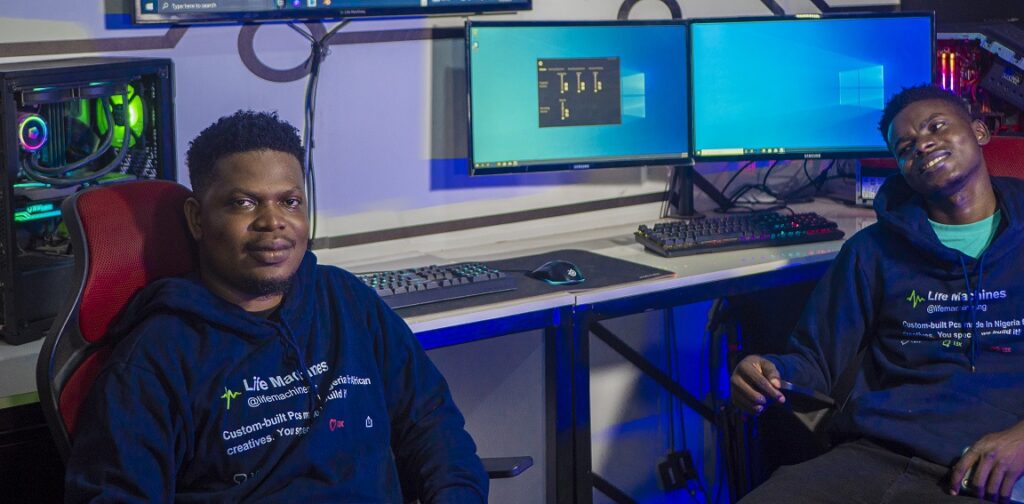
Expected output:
(754, 381)
(998, 462)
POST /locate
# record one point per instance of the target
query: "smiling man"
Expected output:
(265, 376)
(933, 292)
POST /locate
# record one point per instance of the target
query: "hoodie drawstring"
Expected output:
(315, 400)
(973, 296)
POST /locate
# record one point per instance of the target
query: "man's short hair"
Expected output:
(909, 95)
(243, 131)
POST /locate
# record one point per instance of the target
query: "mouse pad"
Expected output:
(600, 271)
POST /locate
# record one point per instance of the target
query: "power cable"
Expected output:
(319, 50)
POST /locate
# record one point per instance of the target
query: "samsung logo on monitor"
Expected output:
(812, 156)
(581, 166)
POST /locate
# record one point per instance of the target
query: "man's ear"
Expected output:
(192, 218)
(981, 132)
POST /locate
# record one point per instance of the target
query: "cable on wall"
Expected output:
(318, 52)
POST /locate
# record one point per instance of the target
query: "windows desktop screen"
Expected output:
(802, 88)
(574, 96)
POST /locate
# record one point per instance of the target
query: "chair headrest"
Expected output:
(1004, 155)
(132, 234)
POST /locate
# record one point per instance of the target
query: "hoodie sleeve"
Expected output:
(435, 455)
(128, 442)
(838, 315)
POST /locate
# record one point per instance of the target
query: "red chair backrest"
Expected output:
(123, 237)
(1004, 156)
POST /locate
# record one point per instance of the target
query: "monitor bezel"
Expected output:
(458, 9)
(685, 158)
(825, 154)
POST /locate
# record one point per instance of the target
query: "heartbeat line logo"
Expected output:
(914, 298)
(229, 395)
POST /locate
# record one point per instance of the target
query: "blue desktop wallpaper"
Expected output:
(504, 92)
(803, 85)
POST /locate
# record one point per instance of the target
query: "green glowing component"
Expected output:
(134, 112)
(25, 216)
(39, 207)
(35, 212)
(31, 184)
(114, 177)
(83, 112)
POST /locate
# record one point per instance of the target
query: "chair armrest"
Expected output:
(506, 467)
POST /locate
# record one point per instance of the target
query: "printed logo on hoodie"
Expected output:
(228, 396)
(914, 298)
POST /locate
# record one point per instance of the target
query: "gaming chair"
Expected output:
(123, 236)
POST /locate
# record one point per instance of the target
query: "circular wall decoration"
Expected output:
(673, 7)
(247, 51)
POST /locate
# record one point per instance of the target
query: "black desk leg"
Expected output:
(561, 461)
(581, 399)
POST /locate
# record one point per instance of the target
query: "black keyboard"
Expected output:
(733, 232)
(431, 284)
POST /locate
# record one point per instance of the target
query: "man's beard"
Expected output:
(266, 286)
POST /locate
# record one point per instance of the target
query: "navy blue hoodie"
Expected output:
(945, 360)
(330, 399)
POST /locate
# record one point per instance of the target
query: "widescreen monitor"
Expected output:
(564, 96)
(795, 88)
(214, 11)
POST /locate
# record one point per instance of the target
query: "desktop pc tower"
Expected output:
(66, 125)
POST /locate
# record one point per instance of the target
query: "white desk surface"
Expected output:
(616, 240)
(608, 232)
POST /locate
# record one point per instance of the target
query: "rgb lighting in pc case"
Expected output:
(66, 125)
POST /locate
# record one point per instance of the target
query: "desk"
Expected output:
(18, 373)
(565, 317)
(698, 278)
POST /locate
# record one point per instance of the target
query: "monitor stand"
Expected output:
(680, 192)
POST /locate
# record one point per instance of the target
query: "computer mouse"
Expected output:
(558, 273)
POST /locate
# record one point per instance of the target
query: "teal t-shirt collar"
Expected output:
(971, 239)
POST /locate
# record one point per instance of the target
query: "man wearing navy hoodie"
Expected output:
(265, 377)
(935, 293)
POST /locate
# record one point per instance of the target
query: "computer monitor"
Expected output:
(795, 88)
(576, 95)
(199, 11)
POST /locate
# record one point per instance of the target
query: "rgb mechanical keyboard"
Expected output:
(431, 284)
(733, 232)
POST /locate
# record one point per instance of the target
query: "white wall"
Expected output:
(377, 104)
